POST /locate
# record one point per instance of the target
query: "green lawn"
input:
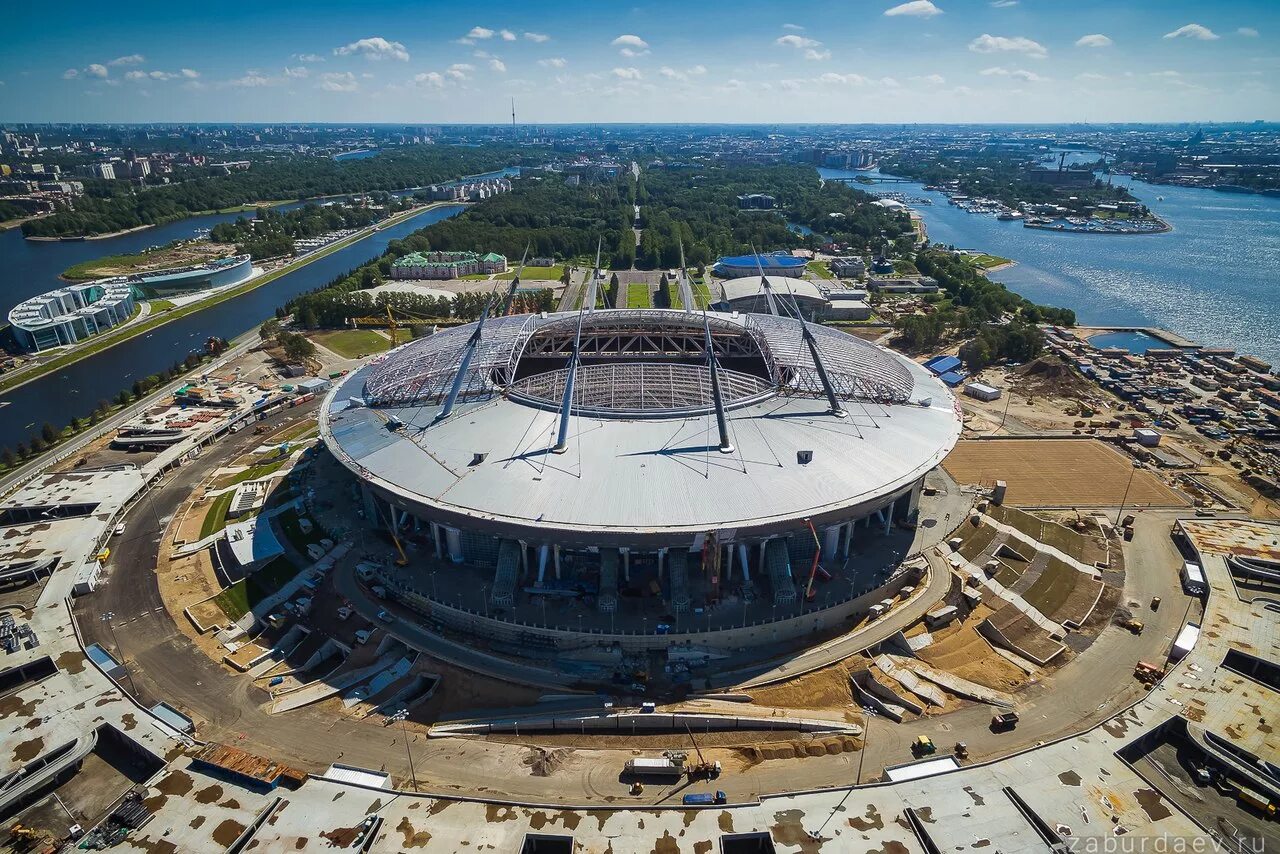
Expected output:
(638, 295)
(975, 540)
(251, 473)
(986, 262)
(477, 277)
(701, 294)
(216, 519)
(552, 274)
(1053, 588)
(292, 530)
(352, 343)
(903, 267)
(159, 305)
(236, 600)
(820, 269)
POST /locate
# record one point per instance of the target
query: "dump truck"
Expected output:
(922, 746)
(1135, 626)
(1147, 673)
(705, 799)
(1261, 803)
(1004, 719)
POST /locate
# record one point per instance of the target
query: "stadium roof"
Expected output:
(749, 286)
(642, 456)
(767, 260)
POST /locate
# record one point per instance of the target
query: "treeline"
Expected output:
(273, 232)
(1000, 323)
(990, 176)
(109, 206)
(701, 209)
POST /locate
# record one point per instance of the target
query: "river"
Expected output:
(76, 390)
(1213, 278)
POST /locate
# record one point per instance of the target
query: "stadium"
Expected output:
(772, 263)
(641, 477)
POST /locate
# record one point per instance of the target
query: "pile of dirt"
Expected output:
(831, 746)
(1051, 375)
(543, 763)
(827, 688)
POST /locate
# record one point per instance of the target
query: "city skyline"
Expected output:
(916, 61)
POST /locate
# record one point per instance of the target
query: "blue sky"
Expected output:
(743, 61)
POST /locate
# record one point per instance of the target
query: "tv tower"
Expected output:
(513, 118)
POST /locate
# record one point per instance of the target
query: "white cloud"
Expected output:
(1094, 40)
(678, 74)
(297, 73)
(1090, 75)
(1015, 73)
(480, 33)
(914, 9)
(96, 70)
(553, 62)
(932, 79)
(631, 45)
(1167, 75)
(432, 79)
(190, 73)
(987, 43)
(135, 75)
(796, 27)
(308, 57)
(1247, 32)
(1003, 4)
(817, 55)
(832, 78)
(507, 35)
(537, 37)
(797, 41)
(251, 80)
(374, 48)
(339, 81)
(628, 74)
(131, 59)
(1193, 31)
(498, 65)
(70, 74)
(460, 71)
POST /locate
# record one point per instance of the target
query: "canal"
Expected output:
(75, 390)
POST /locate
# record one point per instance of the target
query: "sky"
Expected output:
(839, 61)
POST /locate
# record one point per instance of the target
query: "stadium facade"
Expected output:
(605, 459)
(769, 263)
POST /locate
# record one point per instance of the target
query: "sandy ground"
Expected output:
(960, 650)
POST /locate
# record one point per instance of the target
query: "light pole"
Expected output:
(107, 617)
(400, 717)
(1132, 472)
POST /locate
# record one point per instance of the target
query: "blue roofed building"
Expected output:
(773, 263)
(939, 365)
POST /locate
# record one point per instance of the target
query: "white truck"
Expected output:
(663, 766)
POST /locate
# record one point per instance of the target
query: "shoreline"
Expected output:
(10, 382)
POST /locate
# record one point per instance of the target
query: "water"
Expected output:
(361, 154)
(1211, 279)
(1135, 342)
(76, 390)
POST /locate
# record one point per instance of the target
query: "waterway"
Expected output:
(75, 390)
(1212, 278)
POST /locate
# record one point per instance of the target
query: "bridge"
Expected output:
(873, 179)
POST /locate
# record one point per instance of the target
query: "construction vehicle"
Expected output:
(1261, 803)
(1147, 673)
(1155, 603)
(1133, 625)
(665, 766)
(1004, 719)
(705, 799)
(813, 570)
(961, 750)
(923, 746)
(702, 769)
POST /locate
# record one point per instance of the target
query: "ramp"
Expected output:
(956, 685)
(910, 681)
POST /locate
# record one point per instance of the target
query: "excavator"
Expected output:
(702, 769)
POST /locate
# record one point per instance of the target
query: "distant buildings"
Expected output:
(903, 284)
(446, 265)
(850, 267)
(1061, 177)
(757, 202)
(469, 191)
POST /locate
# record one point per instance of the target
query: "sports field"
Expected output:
(1058, 473)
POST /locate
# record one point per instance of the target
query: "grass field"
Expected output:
(236, 600)
(819, 269)
(251, 473)
(1053, 588)
(638, 295)
(986, 262)
(1058, 473)
(216, 519)
(551, 274)
(352, 343)
(701, 294)
(903, 267)
(158, 305)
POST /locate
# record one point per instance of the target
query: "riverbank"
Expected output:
(108, 340)
(77, 238)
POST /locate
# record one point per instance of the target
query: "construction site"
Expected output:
(302, 623)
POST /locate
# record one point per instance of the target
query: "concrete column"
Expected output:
(888, 517)
(366, 501)
(746, 564)
(763, 565)
(662, 553)
(439, 540)
(913, 505)
(542, 564)
(728, 564)
(524, 559)
(453, 539)
(555, 551)
(626, 564)
(831, 542)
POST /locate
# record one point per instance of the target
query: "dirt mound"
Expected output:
(831, 746)
(1048, 368)
(544, 763)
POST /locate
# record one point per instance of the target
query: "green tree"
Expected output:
(7, 458)
(296, 347)
(48, 433)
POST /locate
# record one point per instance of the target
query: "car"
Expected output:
(119, 530)
(386, 617)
